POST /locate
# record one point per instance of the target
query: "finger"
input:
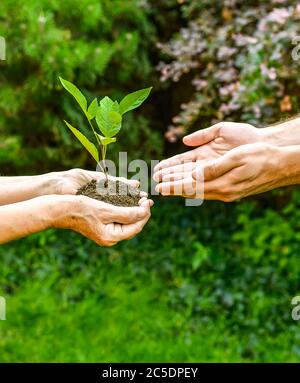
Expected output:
(182, 168)
(216, 168)
(189, 156)
(147, 203)
(125, 215)
(118, 232)
(143, 199)
(175, 176)
(143, 194)
(203, 136)
(99, 175)
(133, 183)
(185, 187)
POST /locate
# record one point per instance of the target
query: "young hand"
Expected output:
(212, 143)
(245, 170)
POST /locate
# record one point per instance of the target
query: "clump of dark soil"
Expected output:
(114, 192)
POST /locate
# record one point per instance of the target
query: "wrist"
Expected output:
(272, 135)
(65, 210)
(284, 134)
(289, 171)
(50, 183)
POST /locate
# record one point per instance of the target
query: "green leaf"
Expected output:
(116, 107)
(90, 147)
(106, 103)
(108, 121)
(134, 100)
(92, 110)
(75, 92)
(115, 117)
(106, 140)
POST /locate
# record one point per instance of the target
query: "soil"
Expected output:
(114, 192)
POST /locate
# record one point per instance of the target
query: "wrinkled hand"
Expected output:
(212, 143)
(245, 170)
(103, 223)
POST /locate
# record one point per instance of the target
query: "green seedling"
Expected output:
(104, 118)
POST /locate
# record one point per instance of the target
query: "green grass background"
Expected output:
(145, 300)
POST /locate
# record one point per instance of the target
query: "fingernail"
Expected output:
(156, 177)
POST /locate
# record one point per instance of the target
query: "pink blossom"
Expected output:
(268, 72)
(199, 83)
(242, 40)
(279, 15)
(225, 52)
(226, 75)
(229, 89)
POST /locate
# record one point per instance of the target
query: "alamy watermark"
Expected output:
(2, 49)
(178, 182)
(296, 50)
(296, 308)
(2, 308)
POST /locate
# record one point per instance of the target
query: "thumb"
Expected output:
(215, 169)
(127, 215)
(202, 137)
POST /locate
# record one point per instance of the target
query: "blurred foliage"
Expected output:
(219, 277)
(105, 49)
(235, 58)
(212, 283)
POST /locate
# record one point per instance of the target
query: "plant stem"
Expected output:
(93, 129)
(103, 154)
(102, 148)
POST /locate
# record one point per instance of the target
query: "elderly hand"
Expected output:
(104, 223)
(101, 222)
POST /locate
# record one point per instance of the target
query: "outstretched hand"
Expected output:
(245, 170)
(211, 143)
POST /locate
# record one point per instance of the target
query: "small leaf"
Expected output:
(75, 92)
(90, 147)
(92, 110)
(106, 140)
(134, 100)
(106, 103)
(108, 121)
(115, 117)
(116, 107)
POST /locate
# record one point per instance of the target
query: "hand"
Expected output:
(213, 142)
(103, 223)
(68, 182)
(245, 170)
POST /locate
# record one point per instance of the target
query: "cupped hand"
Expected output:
(243, 171)
(211, 143)
(101, 222)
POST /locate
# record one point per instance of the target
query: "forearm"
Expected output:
(284, 134)
(289, 171)
(17, 189)
(24, 218)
